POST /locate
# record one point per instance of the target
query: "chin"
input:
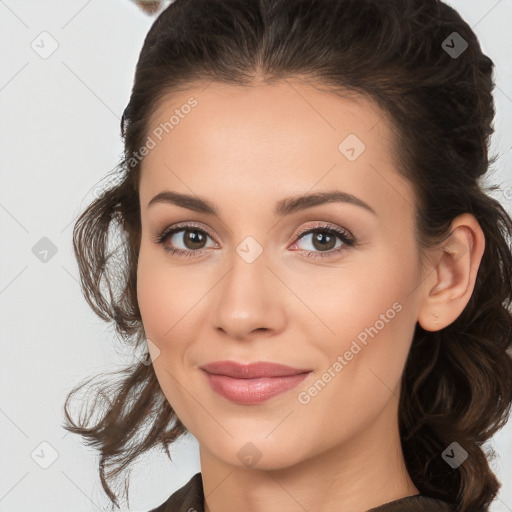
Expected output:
(256, 452)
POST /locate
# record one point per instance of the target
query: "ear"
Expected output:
(451, 280)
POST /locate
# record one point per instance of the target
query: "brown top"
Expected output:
(190, 498)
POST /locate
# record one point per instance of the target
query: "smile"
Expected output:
(254, 382)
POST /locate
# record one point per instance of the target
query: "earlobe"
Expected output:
(452, 278)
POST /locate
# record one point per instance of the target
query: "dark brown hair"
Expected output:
(457, 383)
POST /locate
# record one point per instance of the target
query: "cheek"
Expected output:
(151, 298)
(368, 315)
(373, 322)
(170, 304)
(161, 311)
(164, 295)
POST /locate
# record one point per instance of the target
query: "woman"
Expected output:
(321, 281)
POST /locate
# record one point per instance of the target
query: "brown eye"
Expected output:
(193, 238)
(183, 240)
(323, 241)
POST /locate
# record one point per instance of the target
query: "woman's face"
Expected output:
(249, 287)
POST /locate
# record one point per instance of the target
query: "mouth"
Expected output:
(253, 383)
(251, 370)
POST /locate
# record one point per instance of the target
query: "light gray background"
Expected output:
(59, 135)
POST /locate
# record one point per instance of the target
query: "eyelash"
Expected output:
(347, 239)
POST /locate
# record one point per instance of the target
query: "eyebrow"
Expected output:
(282, 208)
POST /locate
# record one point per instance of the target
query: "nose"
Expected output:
(249, 298)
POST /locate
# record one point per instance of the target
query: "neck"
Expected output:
(356, 475)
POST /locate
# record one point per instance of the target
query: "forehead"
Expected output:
(290, 136)
(292, 108)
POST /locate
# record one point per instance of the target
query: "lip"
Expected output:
(252, 383)
(251, 370)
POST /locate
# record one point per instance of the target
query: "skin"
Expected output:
(244, 149)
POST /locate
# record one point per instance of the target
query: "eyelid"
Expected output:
(181, 226)
(348, 240)
(323, 225)
(300, 232)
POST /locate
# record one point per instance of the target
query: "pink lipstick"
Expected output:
(252, 383)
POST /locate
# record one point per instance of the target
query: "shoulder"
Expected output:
(416, 503)
(189, 498)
